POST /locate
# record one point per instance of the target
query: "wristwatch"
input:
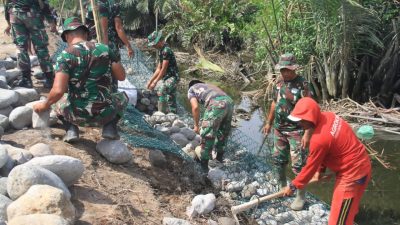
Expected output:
(292, 187)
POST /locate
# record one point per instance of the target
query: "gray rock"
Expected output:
(67, 168)
(216, 175)
(166, 124)
(4, 203)
(180, 139)
(164, 130)
(114, 151)
(6, 111)
(40, 120)
(189, 133)
(174, 129)
(34, 60)
(157, 158)
(211, 222)
(20, 155)
(250, 189)
(3, 186)
(21, 117)
(40, 149)
(3, 155)
(226, 221)
(4, 122)
(1, 131)
(53, 118)
(154, 100)
(26, 95)
(6, 169)
(12, 74)
(201, 204)
(174, 221)
(39, 219)
(145, 101)
(7, 98)
(22, 177)
(197, 138)
(8, 64)
(171, 117)
(178, 123)
(3, 81)
(37, 73)
(42, 199)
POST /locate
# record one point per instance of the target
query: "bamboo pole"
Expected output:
(82, 11)
(96, 22)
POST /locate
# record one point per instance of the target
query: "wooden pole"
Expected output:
(82, 12)
(96, 22)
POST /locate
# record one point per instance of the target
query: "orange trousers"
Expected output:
(346, 199)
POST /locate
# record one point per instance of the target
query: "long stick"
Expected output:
(96, 22)
(246, 206)
(82, 11)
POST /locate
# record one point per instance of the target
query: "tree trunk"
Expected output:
(357, 86)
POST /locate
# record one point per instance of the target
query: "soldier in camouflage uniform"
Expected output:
(85, 70)
(26, 17)
(166, 76)
(289, 138)
(215, 122)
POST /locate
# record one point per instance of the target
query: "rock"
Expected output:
(158, 113)
(3, 81)
(8, 64)
(22, 177)
(1, 131)
(180, 139)
(197, 138)
(6, 169)
(226, 221)
(7, 98)
(145, 101)
(42, 199)
(37, 73)
(53, 118)
(194, 144)
(189, 133)
(3, 155)
(171, 117)
(3, 186)
(216, 175)
(40, 149)
(201, 204)
(39, 219)
(250, 189)
(6, 111)
(4, 203)
(67, 168)
(157, 158)
(12, 74)
(21, 117)
(174, 221)
(26, 95)
(235, 186)
(40, 120)
(166, 124)
(174, 129)
(20, 155)
(164, 130)
(34, 60)
(178, 123)
(114, 151)
(4, 122)
(211, 222)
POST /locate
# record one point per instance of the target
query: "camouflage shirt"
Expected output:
(89, 96)
(286, 94)
(204, 93)
(30, 6)
(110, 10)
(167, 54)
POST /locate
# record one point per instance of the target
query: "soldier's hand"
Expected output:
(196, 129)
(131, 53)
(267, 129)
(287, 191)
(41, 107)
(152, 86)
(7, 30)
(305, 140)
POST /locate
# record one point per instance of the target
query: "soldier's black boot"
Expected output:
(25, 81)
(220, 156)
(110, 129)
(204, 166)
(72, 131)
(49, 80)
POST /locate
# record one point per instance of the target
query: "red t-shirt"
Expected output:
(335, 146)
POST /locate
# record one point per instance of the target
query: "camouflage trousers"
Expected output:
(29, 26)
(288, 143)
(65, 109)
(166, 91)
(115, 49)
(215, 126)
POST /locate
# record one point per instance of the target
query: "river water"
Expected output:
(381, 201)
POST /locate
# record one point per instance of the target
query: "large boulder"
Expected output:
(7, 98)
(6, 169)
(201, 204)
(26, 95)
(6, 111)
(12, 74)
(180, 139)
(22, 177)
(42, 199)
(4, 122)
(40, 149)
(8, 64)
(39, 219)
(40, 120)
(21, 117)
(3, 186)
(178, 123)
(115, 151)
(3, 155)
(69, 169)
(20, 155)
(4, 203)
(189, 133)
(157, 158)
(174, 221)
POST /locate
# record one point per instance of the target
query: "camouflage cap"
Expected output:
(72, 23)
(287, 61)
(154, 38)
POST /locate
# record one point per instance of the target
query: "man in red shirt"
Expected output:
(333, 145)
